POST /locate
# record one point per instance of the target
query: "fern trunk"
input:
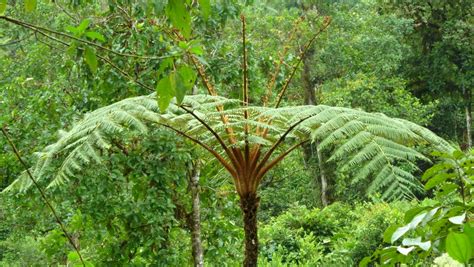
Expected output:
(249, 205)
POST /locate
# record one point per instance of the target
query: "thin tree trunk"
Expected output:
(195, 223)
(249, 205)
(311, 99)
(322, 174)
(467, 111)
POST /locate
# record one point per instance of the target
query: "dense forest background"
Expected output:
(62, 59)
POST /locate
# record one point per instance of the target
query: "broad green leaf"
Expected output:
(417, 220)
(83, 26)
(72, 50)
(197, 50)
(365, 261)
(469, 231)
(95, 36)
(164, 65)
(458, 246)
(202, 60)
(91, 59)
(429, 216)
(183, 45)
(176, 84)
(179, 16)
(388, 254)
(446, 189)
(405, 251)
(165, 93)
(73, 256)
(387, 235)
(438, 179)
(417, 242)
(30, 5)
(410, 214)
(3, 6)
(399, 233)
(205, 6)
(458, 219)
(72, 29)
(435, 169)
(185, 79)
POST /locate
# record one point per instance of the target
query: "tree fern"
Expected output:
(373, 144)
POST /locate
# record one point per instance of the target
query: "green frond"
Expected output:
(373, 145)
(349, 146)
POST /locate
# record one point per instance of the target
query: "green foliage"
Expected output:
(30, 5)
(372, 94)
(91, 59)
(179, 16)
(374, 141)
(126, 197)
(339, 235)
(3, 6)
(439, 225)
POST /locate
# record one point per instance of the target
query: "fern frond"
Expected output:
(373, 145)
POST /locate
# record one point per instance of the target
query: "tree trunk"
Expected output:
(249, 206)
(322, 174)
(195, 223)
(311, 99)
(467, 111)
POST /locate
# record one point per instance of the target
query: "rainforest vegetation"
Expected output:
(232, 132)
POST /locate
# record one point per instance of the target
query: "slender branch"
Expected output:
(245, 90)
(43, 194)
(326, 22)
(108, 61)
(124, 73)
(66, 12)
(244, 65)
(16, 41)
(206, 81)
(274, 75)
(210, 89)
(32, 26)
(202, 73)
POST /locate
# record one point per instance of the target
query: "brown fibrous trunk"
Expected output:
(249, 204)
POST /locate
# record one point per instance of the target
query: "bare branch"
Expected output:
(245, 90)
(108, 61)
(326, 22)
(36, 27)
(274, 75)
